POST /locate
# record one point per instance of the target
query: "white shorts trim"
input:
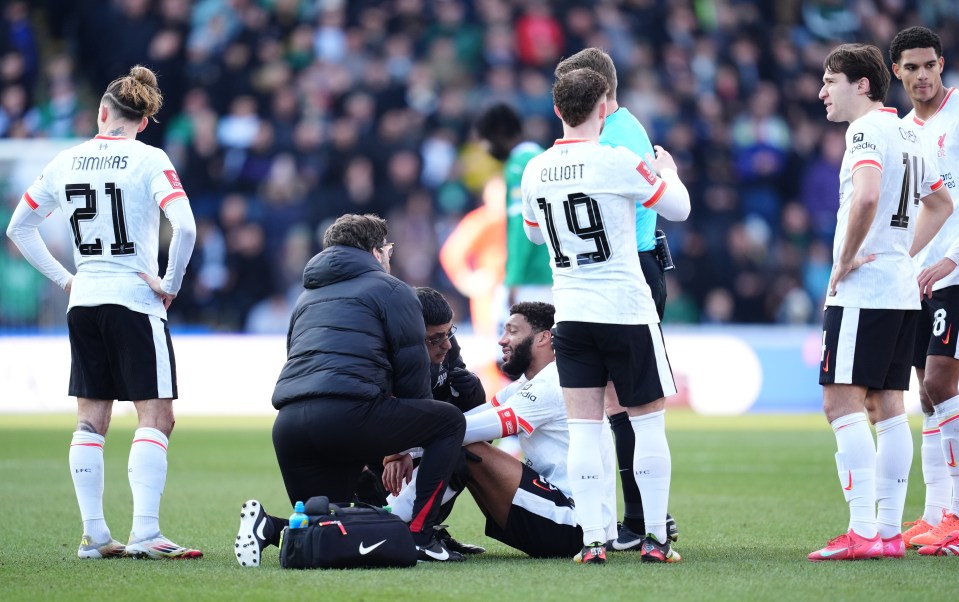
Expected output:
(561, 515)
(846, 344)
(164, 366)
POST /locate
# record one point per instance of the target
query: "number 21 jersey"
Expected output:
(111, 190)
(583, 197)
(878, 140)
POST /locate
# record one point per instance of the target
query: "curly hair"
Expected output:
(365, 232)
(857, 61)
(135, 95)
(499, 124)
(576, 93)
(914, 37)
(539, 315)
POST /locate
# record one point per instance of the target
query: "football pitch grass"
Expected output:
(752, 496)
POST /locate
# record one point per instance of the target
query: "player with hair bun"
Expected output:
(112, 190)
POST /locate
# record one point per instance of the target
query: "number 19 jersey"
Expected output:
(879, 140)
(111, 190)
(583, 198)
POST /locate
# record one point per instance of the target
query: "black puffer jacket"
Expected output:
(473, 395)
(357, 333)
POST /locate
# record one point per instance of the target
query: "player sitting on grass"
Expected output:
(527, 506)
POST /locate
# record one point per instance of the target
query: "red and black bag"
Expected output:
(341, 537)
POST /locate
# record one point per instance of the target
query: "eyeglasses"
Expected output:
(388, 248)
(438, 339)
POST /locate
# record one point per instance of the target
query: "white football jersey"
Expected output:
(111, 190)
(583, 197)
(540, 414)
(939, 137)
(879, 140)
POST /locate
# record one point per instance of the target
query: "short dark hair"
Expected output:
(591, 58)
(540, 316)
(365, 232)
(576, 93)
(499, 120)
(857, 61)
(436, 309)
(914, 37)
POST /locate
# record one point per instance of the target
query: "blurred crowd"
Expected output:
(282, 114)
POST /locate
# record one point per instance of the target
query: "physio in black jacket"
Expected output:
(356, 383)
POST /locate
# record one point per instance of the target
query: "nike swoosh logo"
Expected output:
(825, 366)
(828, 553)
(952, 457)
(540, 485)
(435, 556)
(849, 486)
(366, 550)
(945, 341)
(259, 529)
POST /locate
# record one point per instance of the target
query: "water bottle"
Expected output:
(299, 519)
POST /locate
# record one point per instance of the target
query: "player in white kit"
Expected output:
(917, 59)
(891, 204)
(112, 189)
(527, 505)
(581, 197)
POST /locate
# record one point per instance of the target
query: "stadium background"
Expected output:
(282, 114)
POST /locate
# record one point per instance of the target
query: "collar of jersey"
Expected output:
(571, 141)
(941, 104)
(102, 137)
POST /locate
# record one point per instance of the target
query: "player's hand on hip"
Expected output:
(933, 274)
(68, 286)
(662, 161)
(841, 270)
(156, 284)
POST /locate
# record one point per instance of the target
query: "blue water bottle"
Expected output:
(299, 519)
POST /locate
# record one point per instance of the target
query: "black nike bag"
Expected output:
(347, 537)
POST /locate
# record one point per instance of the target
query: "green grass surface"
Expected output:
(752, 496)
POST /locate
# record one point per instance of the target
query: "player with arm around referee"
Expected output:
(581, 197)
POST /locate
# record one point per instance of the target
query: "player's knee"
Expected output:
(452, 418)
(938, 389)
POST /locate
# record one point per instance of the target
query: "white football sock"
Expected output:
(856, 460)
(584, 465)
(947, 413)
(147, 472)
(86, 466)
(934, 473)
(893, 460)
(652, 467)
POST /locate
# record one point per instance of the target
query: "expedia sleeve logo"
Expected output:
(859, 143)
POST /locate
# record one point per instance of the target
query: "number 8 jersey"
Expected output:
(879, 140)
(111, 190)
(581, 198)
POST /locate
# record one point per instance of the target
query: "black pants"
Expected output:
(322, 445)
(655, 278)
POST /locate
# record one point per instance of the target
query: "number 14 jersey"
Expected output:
(111, 190)
(583, 197)
(879, 140)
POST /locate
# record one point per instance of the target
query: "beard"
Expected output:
(520, 359)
